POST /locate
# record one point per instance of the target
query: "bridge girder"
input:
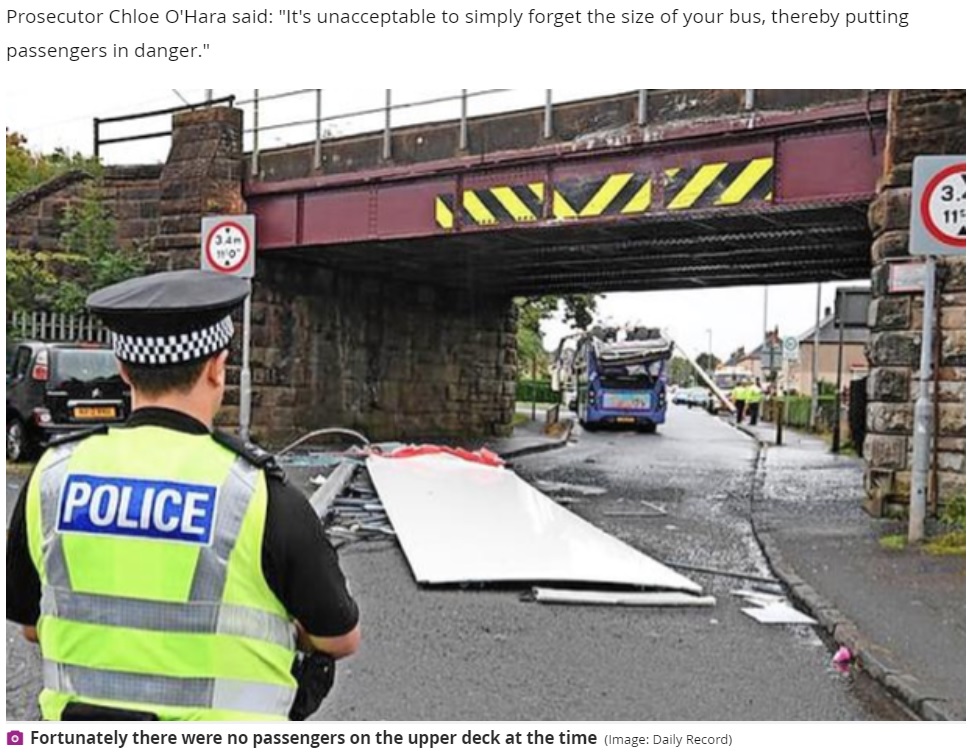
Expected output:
(770, 203)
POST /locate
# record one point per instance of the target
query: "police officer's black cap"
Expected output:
(170, 317)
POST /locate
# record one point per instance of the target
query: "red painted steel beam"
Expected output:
(830, 157)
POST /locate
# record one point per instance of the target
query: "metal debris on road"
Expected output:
(321, 433)
(348, 505)
(778, 612)
(580, 489)
(722, 572)
(625, 599)
(464, 522)
(758, 597)
(771, 608)
(339, 478)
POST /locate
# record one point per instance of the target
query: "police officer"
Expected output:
(168, 570)
(739, 396)
(754, 398)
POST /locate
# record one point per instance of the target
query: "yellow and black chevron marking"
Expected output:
(718, 184)
(491, 206)
(617, 194)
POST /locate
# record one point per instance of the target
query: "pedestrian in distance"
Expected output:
(167, 569)
(755, 396)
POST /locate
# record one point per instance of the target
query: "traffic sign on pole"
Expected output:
(790, 347)
(938, 212)
(937, 227)
(229, 248)
(229, 245)
(771, 355)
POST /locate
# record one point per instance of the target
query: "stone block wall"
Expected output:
(920, 122)
(131, 193)
(390, 358)
(202, 176)
(393, 359)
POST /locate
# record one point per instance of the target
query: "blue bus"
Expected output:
(621, 378)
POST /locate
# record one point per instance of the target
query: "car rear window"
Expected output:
(84, 365)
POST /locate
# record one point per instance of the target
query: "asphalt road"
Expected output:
(448, 654)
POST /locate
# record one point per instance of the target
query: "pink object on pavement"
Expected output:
(842, 656)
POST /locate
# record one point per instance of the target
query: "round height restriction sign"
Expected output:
(228, 246)
(943, 205)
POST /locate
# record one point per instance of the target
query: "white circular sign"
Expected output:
(943, 206)
(228, 246)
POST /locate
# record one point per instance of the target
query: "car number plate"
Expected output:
(95, 412)
(625, 420)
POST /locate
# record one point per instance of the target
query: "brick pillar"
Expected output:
(925, 121)
(202, 176)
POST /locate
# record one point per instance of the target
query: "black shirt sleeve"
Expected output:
(301, 566)
(299, 563)
(23, 582)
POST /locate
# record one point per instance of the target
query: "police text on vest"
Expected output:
(148, 508)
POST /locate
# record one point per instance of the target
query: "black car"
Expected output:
(57, 388)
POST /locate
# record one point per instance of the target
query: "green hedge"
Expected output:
(538, 390)
(799, 411)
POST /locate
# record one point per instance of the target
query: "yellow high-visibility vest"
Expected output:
(148, 543)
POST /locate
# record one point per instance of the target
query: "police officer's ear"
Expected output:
(215, 370)
(123, 371)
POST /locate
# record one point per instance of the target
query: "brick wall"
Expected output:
(131, 193)
(392, 359)
(921, 122)
(201, 176)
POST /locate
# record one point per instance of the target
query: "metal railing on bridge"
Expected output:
(309, 122)
(99, 123)
(391, 107)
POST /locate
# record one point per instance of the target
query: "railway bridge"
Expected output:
(387, 261)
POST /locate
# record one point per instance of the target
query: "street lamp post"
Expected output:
(710, 350)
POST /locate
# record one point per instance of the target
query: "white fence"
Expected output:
(54, 326)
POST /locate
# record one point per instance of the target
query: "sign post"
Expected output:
(229, 248)
(790, 347)
(938, 227)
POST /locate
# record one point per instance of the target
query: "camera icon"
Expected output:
(15, 738)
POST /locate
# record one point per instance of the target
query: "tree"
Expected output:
(680, 372)
(708, 362)
(578, 310)
(27, 169)
(87, 257)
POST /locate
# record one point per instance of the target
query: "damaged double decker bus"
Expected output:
(618, 376)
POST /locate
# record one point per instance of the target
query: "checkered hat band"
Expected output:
(173, 349)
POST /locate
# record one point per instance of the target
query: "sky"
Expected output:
(725, 318)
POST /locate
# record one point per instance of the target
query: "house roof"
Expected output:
(829, 333)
